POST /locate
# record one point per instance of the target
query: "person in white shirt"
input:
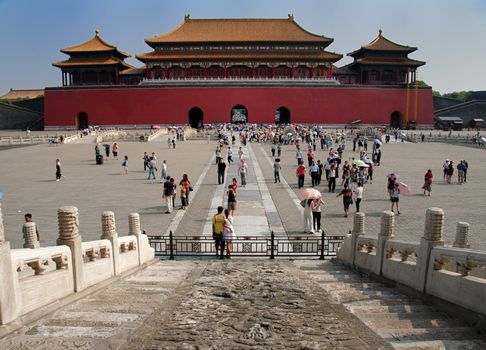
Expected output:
(163, 173)
(358, 195)
(314, 173)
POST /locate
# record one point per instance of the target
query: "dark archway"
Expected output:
(239, 114)
(196, 117)
(396, 120)
(282, 116)
(82, 121)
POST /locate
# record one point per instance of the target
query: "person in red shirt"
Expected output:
(300, 172)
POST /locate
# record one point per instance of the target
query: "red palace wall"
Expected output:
(139, 105)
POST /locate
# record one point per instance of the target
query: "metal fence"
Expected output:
(250, 246)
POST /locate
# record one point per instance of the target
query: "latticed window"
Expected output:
(319, 72)
(263, 72)
(90, 77)
(283, 72)
(157, 73)
(240, 72)
(216, 72)
(301, 72)
(388, 75)
(195, 72)
(176, 73)
(375, 75)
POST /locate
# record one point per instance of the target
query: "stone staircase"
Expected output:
(403, 321)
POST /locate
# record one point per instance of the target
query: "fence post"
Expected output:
(272, 245)
(171, 247)
(322, 245)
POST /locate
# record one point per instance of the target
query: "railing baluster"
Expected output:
(171, 247)
(272, 245)
(322, 245)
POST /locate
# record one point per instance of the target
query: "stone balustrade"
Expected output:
(34, 277)
(454, 274)
(108, 135)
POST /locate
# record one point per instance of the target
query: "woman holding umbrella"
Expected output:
(395, 197)
(309, 196)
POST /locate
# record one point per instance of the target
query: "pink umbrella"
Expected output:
(404, 189)
(308, 193)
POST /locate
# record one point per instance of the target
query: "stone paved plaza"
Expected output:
(27, 180)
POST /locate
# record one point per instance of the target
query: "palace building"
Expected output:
(238, 70)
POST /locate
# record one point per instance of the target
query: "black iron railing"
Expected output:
(271, 247)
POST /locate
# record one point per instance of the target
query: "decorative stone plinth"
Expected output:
(387, 224)
(434, 224)
(462, 235)
(30, 235)
(387, 228)
(68, 222)
(134, 224)
(359, 223)
(108, 227)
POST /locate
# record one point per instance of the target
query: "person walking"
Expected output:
(243, 170)
(395, 197)
(300, 172)
(163, 172)
(314, 173)
(146, 161)
(230, 155)
(273, 150)
(218, 229)
(298, 155)
(231, 200)
(125, 164)
(358, 195)
(277, 167)
(445, 168)
(107, 150)
(114, 150)
(466, 166)
(460, 173)
(168, 194)
(228, 233)
(316, 214)
(279, 149)
(428, 179)
(347, 199)
(331, 184)
(450, 171)
(308, 218)
(152, 168)
(183, 194)
(221, 171)
(58, 170)
(187, 184)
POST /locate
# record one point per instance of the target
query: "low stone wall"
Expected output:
(36, 277)
(454, 274)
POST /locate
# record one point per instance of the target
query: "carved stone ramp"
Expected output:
(404, 322)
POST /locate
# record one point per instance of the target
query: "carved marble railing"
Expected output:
(455, 274)
(157, 133)
(107, 135)
(98, 261)
(127, 247)
(43, 276)
(35, 277)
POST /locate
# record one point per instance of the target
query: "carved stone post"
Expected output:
(108, 227)
(68, 222)
(145, 252)
(134, 224)
(434, 226)
(386, 233)
(462, 235)
(10, 301)
(358, 230)
(30, 235)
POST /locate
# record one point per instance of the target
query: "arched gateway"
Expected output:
(239, 114)
(196, 117)
(82, 121)
(396, 119)
(282, 116)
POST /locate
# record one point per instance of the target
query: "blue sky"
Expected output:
(450, 34)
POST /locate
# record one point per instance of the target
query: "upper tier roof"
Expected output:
(238, 30)
(380, 43)
(22, 94)
(95, 44)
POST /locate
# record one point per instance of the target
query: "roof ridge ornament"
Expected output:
(187, 17)
(291, 16)
(97, 32)
(380, 32)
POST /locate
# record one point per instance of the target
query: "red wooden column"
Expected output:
(63, 83)
(225, 72)
(292, 72)
(206, 72)
(274, 70)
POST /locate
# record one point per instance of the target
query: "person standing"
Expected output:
(347, 199)
(218, 154)
(230, 155)
(114, 149)
(428, 179)
(466, 166)
(445, 168)
(358, 195)
(58, 170)
(298, 155)
(107, 151)
(125, 165)
(221, 171)
(169, 142)
(273, 149)
(231, 200)
(168, 194)
(460, 173)
(450, 171)
(308, 218)
(314, 173)
(279, 149)
(146, 161)
(240, 153)
(277, 167)
(163, 172)
(183, 192)
(187, 184)
(300, 172)
(228, 233)
(152, 168)
(243, 170)
(332, 178)
(218, 229)
(316, 214)
(173, 142)
(395, 197)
